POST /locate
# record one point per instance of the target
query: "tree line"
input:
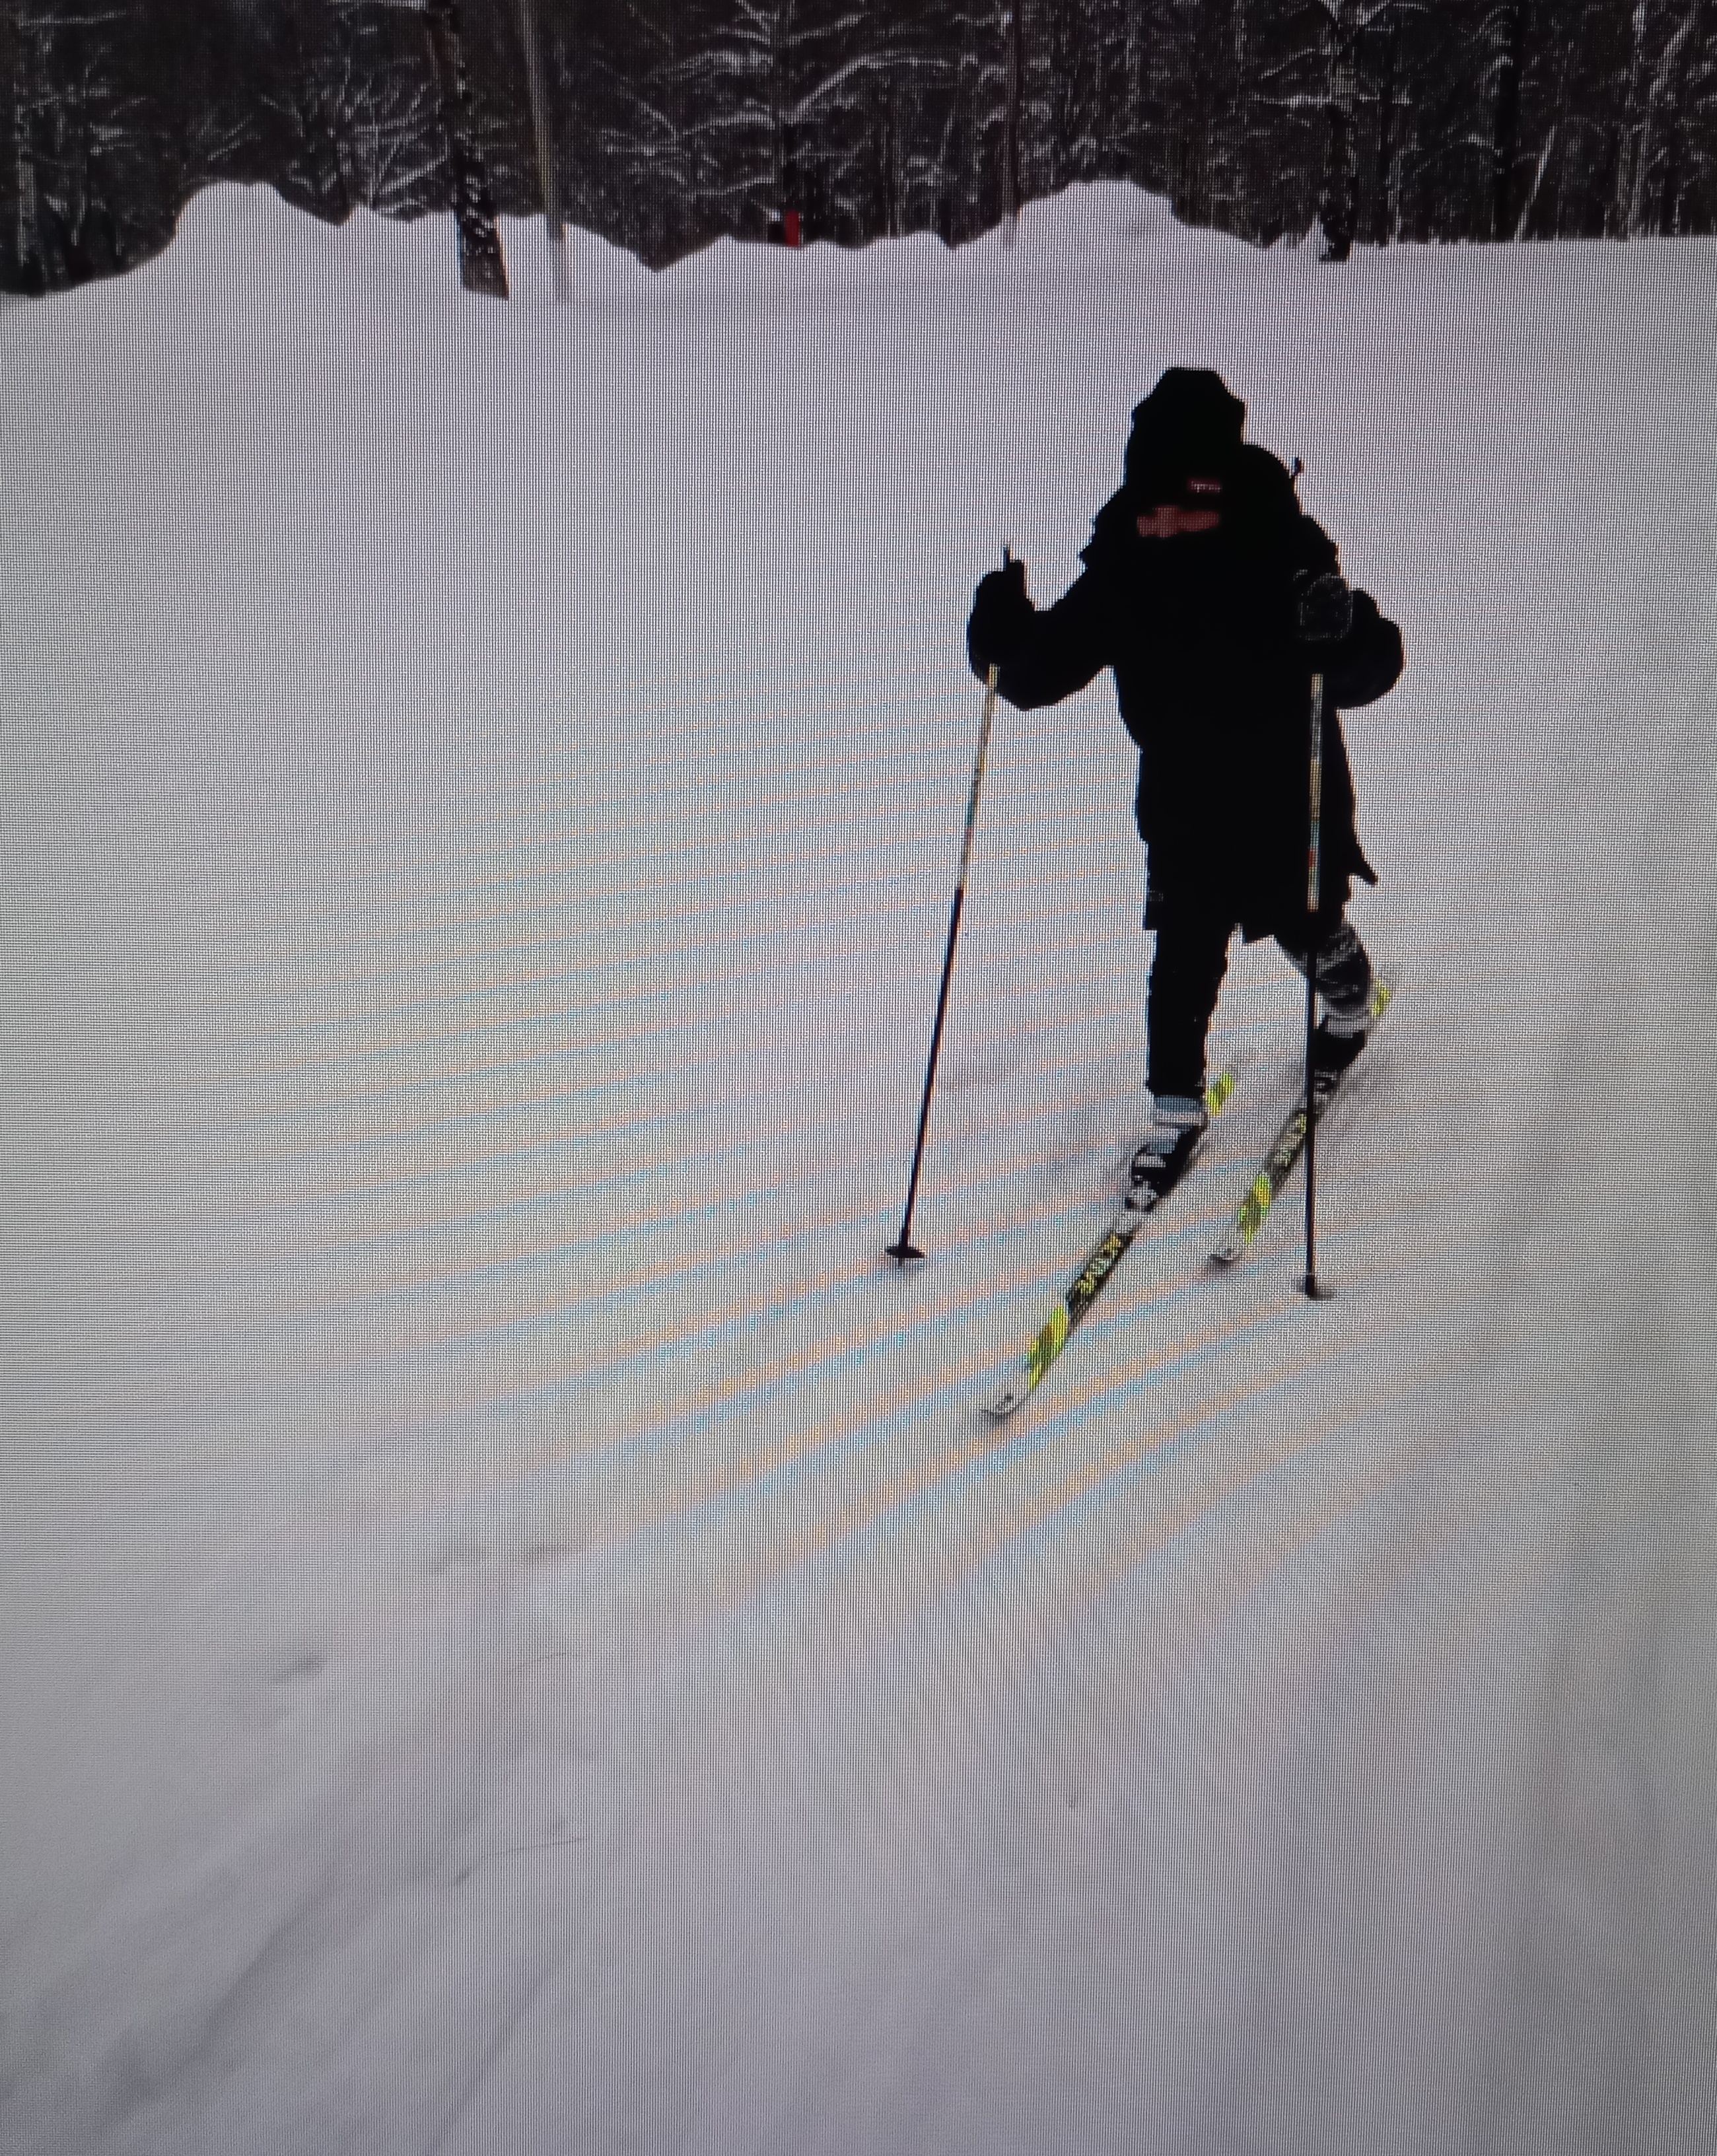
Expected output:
(669, 123)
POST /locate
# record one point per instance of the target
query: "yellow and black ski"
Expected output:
(1279, 1162)
(1093, 1276)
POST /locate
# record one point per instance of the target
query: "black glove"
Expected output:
(1324, 606)
(1001, 615)
(1370, 661)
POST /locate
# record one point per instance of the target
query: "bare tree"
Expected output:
(769, 107)
(84, 127)
(373, 106)
(1663, 42)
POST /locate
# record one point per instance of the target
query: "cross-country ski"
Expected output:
(1278, 1163)
(1145, 1195)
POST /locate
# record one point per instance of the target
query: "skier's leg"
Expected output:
(1345, 981)
(1186, 972)
(1186, 975)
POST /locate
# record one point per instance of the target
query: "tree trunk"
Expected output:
(1632, 121)
(1010, 132)
(1383, 193)
(1505, 115)
(482, 265)
(888, 165)
(1337, 204)
(1137, 65)
(31, 276)
(1243, 123)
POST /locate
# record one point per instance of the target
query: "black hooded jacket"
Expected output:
(1214, 684)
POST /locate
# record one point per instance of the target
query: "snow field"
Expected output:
(518, 1635)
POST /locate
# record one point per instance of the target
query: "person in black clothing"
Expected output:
(1215, 599)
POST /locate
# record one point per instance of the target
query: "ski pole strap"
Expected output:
(1314, 844)
(990, 695)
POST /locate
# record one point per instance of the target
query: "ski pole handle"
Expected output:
(991, 681)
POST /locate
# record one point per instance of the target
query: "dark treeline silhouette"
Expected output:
(674, 121)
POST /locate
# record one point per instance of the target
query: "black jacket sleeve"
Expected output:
(1049, 654)
(1368, 661)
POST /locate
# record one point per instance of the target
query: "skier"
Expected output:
(1215, 599)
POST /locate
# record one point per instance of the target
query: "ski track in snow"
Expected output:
(519, 1636)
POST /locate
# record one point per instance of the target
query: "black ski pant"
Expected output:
(1186, 976)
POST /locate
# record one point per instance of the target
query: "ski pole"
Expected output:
(1310, 1284)
(902, 1251)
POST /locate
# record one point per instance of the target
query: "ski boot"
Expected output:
(1338, 1041)
(1178, 1123)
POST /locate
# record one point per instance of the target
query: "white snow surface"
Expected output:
(518, 1636)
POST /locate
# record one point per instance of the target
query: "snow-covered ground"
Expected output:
(516, 1635)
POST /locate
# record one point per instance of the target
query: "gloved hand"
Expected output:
(1001, 613)
(1324, 606)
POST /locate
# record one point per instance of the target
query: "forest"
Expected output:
(664, 124)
